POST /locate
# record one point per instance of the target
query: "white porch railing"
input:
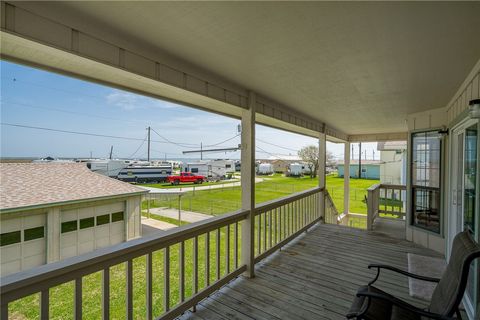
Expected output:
(385, 199)
(276, 223)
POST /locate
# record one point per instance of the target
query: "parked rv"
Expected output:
(265, 169)
(145, 174)
(295, 170)
(108, 167)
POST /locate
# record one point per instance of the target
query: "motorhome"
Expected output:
(265, 168)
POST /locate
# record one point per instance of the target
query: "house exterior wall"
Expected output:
(373, 171)
(54, 245)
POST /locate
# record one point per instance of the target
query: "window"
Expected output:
(228, 166)
(117, 216)
(194, 170)
(87, 223)
(69, 226)
(33, 233)
(104, 219)
(10, 238)
(426, 172)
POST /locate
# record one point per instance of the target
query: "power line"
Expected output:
(133, 154)
(229, 139)
(276, 145)
(184, 145)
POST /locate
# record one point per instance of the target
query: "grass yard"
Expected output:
(228, 199)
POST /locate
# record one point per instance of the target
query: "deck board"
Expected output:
(313, 277)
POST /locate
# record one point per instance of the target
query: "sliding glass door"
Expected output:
(463, 213)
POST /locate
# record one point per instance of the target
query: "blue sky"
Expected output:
(33, 97)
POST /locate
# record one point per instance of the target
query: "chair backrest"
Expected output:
(449, 292)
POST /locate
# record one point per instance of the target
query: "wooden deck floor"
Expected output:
(314, 277)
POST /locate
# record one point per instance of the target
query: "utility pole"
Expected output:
(351, 154)
(360, 160)
(111, 152)
(91, 155)
(201, 151)
(148, 152)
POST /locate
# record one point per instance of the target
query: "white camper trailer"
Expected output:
(220, 168)
(107, 167)
(198, 168)
(295, 170)
(265, 168)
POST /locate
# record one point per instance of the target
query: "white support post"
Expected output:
(322, 158)
(53, 235)
(346, 179)
(248, 185)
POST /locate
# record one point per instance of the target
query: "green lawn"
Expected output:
(220, 201)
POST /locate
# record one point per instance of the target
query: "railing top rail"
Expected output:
(46, 276)
(272, 204)
(373, 187)
(393, 186)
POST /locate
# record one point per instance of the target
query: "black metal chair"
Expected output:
(372, 303)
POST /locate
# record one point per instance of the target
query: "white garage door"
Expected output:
(22, 243)
(86, 229)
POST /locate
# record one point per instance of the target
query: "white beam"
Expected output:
(346, 178)
(322, 158)
(248, 184)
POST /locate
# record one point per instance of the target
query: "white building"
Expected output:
(393, 157)
(53, 211)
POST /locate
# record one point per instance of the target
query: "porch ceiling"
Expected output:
(359, 67)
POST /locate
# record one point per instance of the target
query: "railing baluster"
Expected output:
(265, 215)
(129, 303)
(78, 299)
(195, 264)
(45, 304)
(235, 245)
(259, 234)
(276, 225)
(166, 279)
(285, 221)
(181, 265)
(227, 250)
(207, 259)
(106, 294)
(270, 228)
(4, 311)
(217, 253)
(148, 273)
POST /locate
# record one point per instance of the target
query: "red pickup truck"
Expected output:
(185, 177)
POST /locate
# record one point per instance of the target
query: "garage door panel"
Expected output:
(69, 239)
(86, 235)
(33, 221)
(103, 242)
(10, 267)
(116, 239)
(86, 246)
(31, 248)
(86, 213)
(117, 228)
(33, 261)
(11, 253)
(67, 252)
(69, 215)
(10, 225)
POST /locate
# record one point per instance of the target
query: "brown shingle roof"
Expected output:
(36, 184)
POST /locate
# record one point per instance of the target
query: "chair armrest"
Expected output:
(402, 304)
(405, 273)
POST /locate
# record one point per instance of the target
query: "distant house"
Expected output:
(281, 163)
(370, 169)
(53, 211)
(394, 167)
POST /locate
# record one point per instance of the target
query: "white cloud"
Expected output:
(130, 101)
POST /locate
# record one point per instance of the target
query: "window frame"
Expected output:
(441, 187)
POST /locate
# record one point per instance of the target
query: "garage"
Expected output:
(23, 243)
(63, 211)
(86, 229)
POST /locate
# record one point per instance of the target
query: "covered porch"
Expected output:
(313, 277)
